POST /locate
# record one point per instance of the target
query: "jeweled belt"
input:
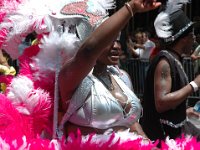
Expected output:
(171, 124)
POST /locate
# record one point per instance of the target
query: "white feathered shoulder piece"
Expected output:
(162, 23)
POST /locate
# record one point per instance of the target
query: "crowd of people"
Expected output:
(78, 66)
(140, 46)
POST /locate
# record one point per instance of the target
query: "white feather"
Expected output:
(24, 144)
(67, 44)
(34, 97)
(162, 25)
(172, 144)
(19, 89)
(4, 144)
(23, 95)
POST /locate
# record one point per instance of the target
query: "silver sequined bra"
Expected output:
(101, 110)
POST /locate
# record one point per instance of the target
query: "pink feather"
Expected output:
(26, 68)
(11, 122)
(3, 34)
(6, 79)
(7, 6)
(76, 143)
(42, 114)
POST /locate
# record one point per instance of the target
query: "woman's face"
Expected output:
(111, 55)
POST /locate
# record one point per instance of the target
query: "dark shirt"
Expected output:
(151, 118)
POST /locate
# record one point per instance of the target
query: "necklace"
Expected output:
(105, 78)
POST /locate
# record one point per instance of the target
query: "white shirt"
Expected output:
(145, 53)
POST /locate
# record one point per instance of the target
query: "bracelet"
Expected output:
(128, 6)
(194, 86)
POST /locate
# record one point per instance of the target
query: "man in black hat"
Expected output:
(167, 86)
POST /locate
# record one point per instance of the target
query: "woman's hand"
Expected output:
(145, 5)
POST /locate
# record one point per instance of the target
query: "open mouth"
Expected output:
(114, 59)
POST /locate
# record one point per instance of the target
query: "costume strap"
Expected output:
(83, 90)
(56, 93)
(171, 124)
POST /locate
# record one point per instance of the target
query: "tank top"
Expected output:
(157, 125)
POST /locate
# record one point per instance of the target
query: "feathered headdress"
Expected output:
(21, 17)
(172, 22)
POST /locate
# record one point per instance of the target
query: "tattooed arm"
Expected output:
(164, 100)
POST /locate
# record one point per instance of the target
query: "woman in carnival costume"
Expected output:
(27, 105)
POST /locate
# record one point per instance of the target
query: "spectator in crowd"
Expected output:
(148, 45)
(195, 57)
(136, 47)
(166, 85)
(142, 46)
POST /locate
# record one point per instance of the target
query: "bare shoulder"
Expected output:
(162, 84)
(163, 66)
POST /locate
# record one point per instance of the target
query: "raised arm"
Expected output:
(73, 72)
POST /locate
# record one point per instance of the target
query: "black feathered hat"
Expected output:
(172, 23)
